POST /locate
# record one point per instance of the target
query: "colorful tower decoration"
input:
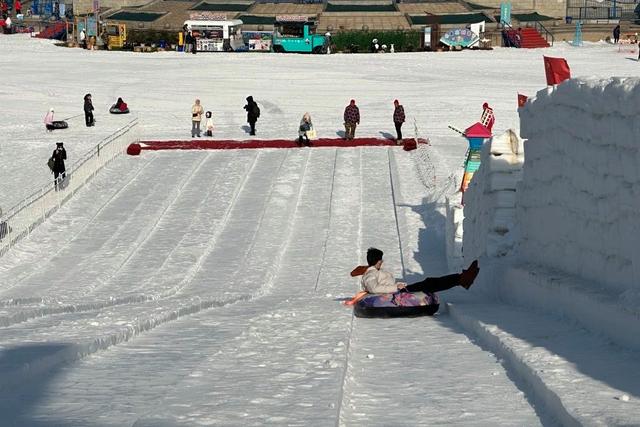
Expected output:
(476, 134)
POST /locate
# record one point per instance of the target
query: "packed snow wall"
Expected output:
(578, 204)
(490, 199)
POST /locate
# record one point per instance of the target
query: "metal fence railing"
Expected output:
(601, 9)
(18, 222)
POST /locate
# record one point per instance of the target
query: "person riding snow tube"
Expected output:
(51, 124)
(398, 304)
(120, 107)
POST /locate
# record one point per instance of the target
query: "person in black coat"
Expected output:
(616, 34)
(57, 164)
(88, 111)
(253, 112)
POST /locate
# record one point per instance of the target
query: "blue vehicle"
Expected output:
(296, 34)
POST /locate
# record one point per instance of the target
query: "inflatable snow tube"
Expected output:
(114, 110)
(134, 149)
(60, 124)
(398, 304)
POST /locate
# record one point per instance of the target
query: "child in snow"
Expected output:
(305, 126)
(351, 119)
(51, 124)
(378, 281)
(209, 124)
(119, 107)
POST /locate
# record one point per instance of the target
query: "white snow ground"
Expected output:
(202, 288)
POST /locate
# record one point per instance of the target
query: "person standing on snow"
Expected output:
(351, 119)
(305, 126)
(398, 119)
(57, 165)
(194, 41)
(253, 113)
(88, 111)
(83, 38)
(196, 117)
(616, 34)
(209, 124)
(378, 281)
(18, 7)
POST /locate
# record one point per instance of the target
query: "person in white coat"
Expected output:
(83, 38)
(378, 281)
(196, 117)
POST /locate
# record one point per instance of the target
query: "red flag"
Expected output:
(522, 99)
(556, 69)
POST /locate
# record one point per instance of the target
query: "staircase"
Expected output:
(530, 38)
(55, 31)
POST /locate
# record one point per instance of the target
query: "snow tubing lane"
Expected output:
(200, 144)
(398, 304)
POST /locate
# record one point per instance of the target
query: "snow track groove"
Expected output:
(382, 346)
(177, 308)
(157, 274)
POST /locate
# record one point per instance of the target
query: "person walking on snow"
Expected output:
(305, 126)
(351, 119)
(253, 113)
(398, 119)
(378, 281)
(196, 117)
(88, 111)
(18, 7)
(616, 34)
(57, 165)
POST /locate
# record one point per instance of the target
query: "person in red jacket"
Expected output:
(398, 119)
(18, 7)
(351, 119)
(4, 8)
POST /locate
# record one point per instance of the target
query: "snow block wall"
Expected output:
(490, 200)
(579, 200)
(454, 232)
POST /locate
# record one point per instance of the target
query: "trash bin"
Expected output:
(569, 19)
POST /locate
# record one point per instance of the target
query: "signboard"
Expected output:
(462, 37)
(92, 26)
(207, 16)
(427, 37)
(505, 13)
(258, 40)
(291, 18)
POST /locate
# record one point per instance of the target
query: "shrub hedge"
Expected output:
(148, 37)
(360, 41)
